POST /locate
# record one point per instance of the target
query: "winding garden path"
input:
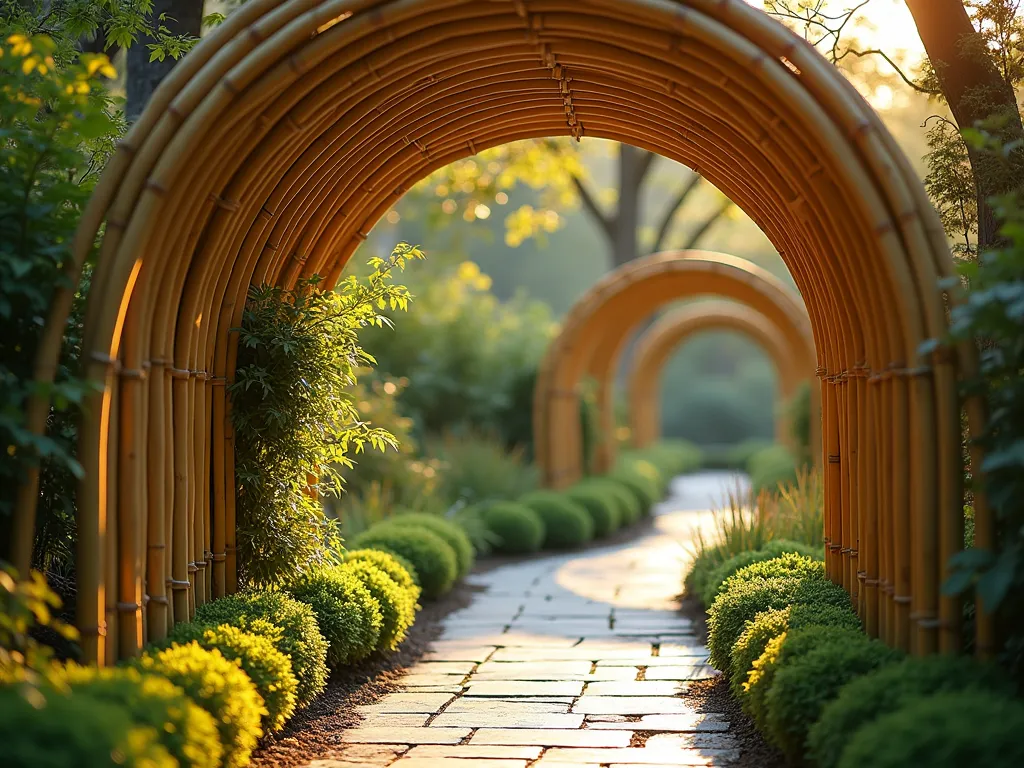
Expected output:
(573, 660)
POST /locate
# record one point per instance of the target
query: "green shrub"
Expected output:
(766, 567)
(478, 468)
(635, 464)
(75, 730)
(447, 530)
(220, 687)
(734, 607)
(185, 730)
(401, 571)
(472, 522)
(397, 604)
(603, 510)
(348, 616)
(711, 581)
(290, 625)
(431, 556)
(808, 682)
(768, 624)
(949, 730)
(777, 652)
(629, 510)
(518, 527)
(566, 523)
(646, 491)
(864, 700)
(268, 668)
(771, 467)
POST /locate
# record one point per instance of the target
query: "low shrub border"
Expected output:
(567, 524)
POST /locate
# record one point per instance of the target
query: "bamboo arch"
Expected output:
(275, 145)
(600, 324)
(656, 346)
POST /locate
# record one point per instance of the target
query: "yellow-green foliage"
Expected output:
(348, 616)
(786, 564)
(220, 687)
(566, 523)
(734, 607)
(186, 731)
(290, 625)
(397, 604)
(447, 530)
(74, 731)
(949, 730)
(431, 556)
(713, 581)
(806, 683)
(397, 567)
(604, 509)
(886, 690)
(518, 528)
(768, 624)
(268, 668)
(777, 653)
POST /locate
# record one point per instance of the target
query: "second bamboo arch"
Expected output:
(600, 323)
(656, 346)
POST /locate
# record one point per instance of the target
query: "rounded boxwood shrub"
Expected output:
(714, 580)
(220, 687)
(949, 730)
(431, 556)
(767, 567)
(566, 523)
(886, 690)
(768, 624)
(644, 489)
(397, 567)
(804, 685)
(186, 731)
(268, 668)
(290, 625)
(75, 730)
(626, 501)
(397, 604)
(777, 652)
(518, 528)
(600, 505)
(447, 530)
(733, 608)
(348, 616)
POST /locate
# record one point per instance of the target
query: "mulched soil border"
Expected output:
(315, 732)
(706, 696)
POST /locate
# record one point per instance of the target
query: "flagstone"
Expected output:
(395, 719)
(536, 705)
(635, 688)
(457, 762)
(409, 702)
(695, 672)
(380, 735)
(505, 688)
(630, 705)
(490, 751)
(552, 737)
(624, 755)
(692, 723)
(506, 719)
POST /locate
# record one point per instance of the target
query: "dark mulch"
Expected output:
(714, 696)
(315, 731)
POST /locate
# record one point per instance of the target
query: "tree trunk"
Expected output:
(633, 164)
(183, 17)
(974, 90)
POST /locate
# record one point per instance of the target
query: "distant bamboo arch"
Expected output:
(272, 148)
(601, 322)
(657, 345)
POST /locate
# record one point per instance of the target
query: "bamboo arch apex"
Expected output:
(657, 345)
(294, 126)
(600, 324)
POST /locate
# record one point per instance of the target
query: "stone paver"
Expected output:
(558, 663)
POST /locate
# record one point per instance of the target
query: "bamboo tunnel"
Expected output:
(270, 151)
(657, 344)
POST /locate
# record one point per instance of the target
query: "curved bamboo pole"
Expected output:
(658, 343)
(272, 149)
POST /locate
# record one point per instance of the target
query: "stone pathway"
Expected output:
(570, 661)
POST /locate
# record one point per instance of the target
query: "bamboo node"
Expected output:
(218, 557)
(218, 381)
(124, 146)
(928, 622)
(264, 211)
(178, 584)
(115, 223)
(137, 374)
(155, 186)
(884, 228)
(93, 630)
(128, 607)
(159, 599)
(821, 372)
(834, 548)
(871, 582)
(859, 371)
(224, 203)
(254, 34)
(833, 458)
(192, 568)
(300, 258)
(99, 357)
(901, 599)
